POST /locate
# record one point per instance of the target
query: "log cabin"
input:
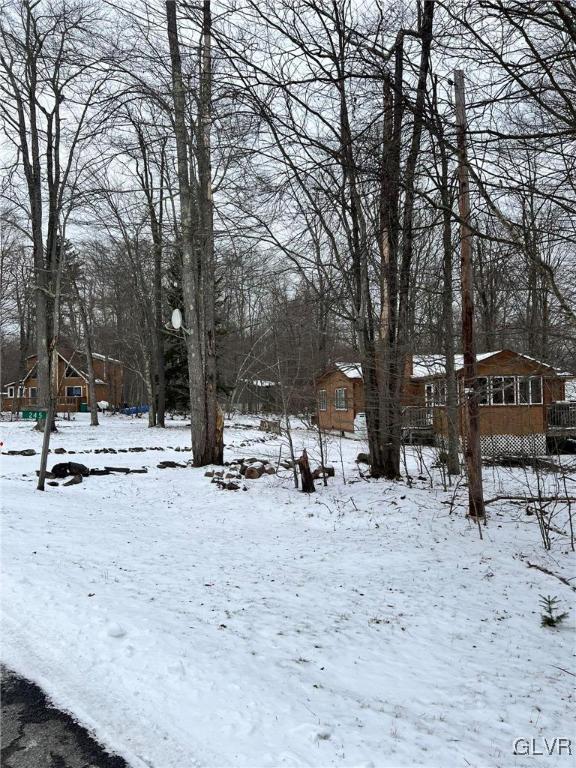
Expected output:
(523, 402)
(72, 388)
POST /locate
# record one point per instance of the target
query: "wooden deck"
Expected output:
(418, 422)
(62, 403)
(561, 420)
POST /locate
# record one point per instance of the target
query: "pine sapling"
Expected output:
(550, 617)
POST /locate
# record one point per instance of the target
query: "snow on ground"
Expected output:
(365, 625)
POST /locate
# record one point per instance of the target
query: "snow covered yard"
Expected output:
(364, 625)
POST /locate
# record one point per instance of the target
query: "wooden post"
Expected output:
(472, 450)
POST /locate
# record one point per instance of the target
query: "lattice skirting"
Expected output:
(513, 445)
(509, 445)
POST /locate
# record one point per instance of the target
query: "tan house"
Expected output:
(340, 397)
(73, 392)
(522, 401)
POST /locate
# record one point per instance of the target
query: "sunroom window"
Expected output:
(483, 390)
(530, 390)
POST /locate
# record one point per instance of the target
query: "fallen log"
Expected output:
(527, 499)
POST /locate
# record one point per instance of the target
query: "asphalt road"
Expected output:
(36, 735)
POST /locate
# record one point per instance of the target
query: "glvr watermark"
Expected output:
(543, 746)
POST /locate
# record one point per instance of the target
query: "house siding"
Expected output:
(331, 418)
(520, 420)
(111, 373)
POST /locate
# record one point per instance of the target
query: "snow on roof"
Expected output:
(351, 370)
(70, 353)
(435, 365)
(558, 371)
(106, 357)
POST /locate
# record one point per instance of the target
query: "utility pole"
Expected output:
(472, 450)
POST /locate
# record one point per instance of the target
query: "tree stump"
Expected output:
(306, 474)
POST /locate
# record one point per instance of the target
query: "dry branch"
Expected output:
(551, 573)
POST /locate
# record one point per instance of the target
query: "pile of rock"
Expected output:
(59, 451)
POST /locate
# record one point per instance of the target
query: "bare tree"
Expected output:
(197, 242)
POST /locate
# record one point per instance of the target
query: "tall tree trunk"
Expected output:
(159, 330)
(189, 256)
(214, 450)
(395, 288)
(156, 229)
(49, 422)
(197, 242)
(472, 441)
(452, 414)
(89, 359)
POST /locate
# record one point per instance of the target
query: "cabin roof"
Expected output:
(350, 370)
(74, 358)
(261, 383)
(428, 366)
(435, 365)
(107, 358)
(68, 351)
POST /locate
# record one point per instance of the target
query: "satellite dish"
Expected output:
(176, 319)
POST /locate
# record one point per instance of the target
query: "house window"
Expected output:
(73, 391)
(10, 391)
(483, 389)
(70, 372)
(436, 393)
(509, 388)
(322, 400)
(340, 403)
(536, 390)
(503, 390)
(524, 391)
(33, 391)
(530, 390)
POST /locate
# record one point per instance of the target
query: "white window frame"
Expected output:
(485, 390)
(322, 400)
(73, 386)
(338, 407)
(435, 393)
(530, 380)
(516, 388)
(503, 389)
(33, 392)
(10, 392)
(541, 400)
